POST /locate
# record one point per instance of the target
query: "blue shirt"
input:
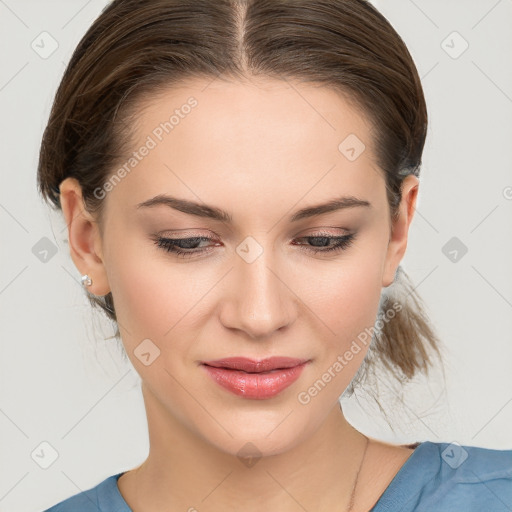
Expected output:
(438, 477)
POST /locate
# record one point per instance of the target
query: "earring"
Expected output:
(86, 280)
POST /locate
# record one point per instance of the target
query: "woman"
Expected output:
(239, 179)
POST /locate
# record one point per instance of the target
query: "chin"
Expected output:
(253, 447)
(259, 438)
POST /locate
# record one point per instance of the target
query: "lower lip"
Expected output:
(258, 386)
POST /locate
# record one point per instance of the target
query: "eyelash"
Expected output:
(169, 244)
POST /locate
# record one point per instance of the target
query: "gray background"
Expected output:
(62, 383)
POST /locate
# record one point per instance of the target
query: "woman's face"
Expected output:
(253, 285)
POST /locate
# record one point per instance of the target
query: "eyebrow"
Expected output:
(212, 212)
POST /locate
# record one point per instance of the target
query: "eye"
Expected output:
(321, 242)
(183, 247)
(189, 247)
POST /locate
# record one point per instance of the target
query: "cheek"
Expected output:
(150, 294)
(158, 298)
(346, 303)
(346, 294)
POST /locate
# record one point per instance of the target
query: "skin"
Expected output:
(260, 150)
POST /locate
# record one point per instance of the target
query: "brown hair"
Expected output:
(137, 48)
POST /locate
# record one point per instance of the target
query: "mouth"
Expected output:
(252, 366)
(253, 379)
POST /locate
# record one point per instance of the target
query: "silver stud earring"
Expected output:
(86, 280)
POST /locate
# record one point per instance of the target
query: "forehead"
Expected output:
(275, 137)
(258, 107)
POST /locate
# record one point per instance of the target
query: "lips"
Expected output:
(251, 366)
(255, 379)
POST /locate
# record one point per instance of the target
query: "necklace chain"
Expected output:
(352, 496)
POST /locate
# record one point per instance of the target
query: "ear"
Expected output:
(84, 237)
(400, 229)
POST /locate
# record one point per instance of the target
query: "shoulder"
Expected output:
(459, 477)
(104, 497)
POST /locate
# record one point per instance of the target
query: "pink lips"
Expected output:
(255, 379)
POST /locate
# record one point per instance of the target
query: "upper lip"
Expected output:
(252, 366)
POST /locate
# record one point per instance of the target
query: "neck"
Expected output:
(184, 471)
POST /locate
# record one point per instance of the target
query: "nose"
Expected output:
(257, 299)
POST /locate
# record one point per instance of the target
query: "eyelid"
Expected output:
(306, 233)
(321, 230)
(187, 233)
(194, 232)
(170, 245)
